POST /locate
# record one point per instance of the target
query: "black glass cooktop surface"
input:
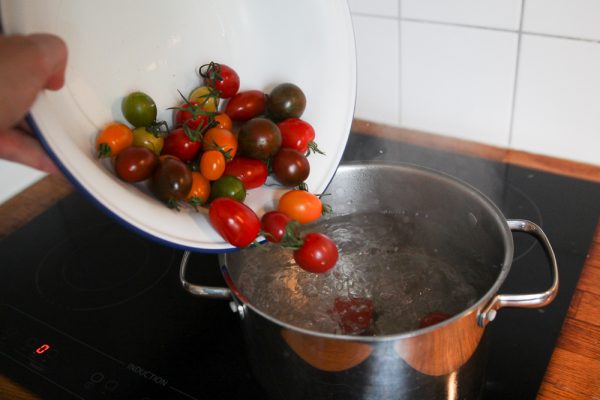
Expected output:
(90, 310)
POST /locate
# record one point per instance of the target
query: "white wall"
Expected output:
(523, 74)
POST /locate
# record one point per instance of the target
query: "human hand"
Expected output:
(28, 65)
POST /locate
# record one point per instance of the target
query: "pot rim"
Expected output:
(474, 308)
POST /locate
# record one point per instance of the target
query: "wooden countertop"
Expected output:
(574, 370)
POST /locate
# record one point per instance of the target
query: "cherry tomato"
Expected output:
(206, 97)
(143, 138)
(183, 143)
(354, 314)
(200, 191)
(192, 115)
(253, 173)
(300, 205)
(139, 109)
(290, 167)
(286, 101)
(235, 221)
(433, 318)
(223, 121)
(259, 138)
(273, 225)
(135, 164)
(246, 105)
(212, 164)
(299, 135)
(317, 254)
(228, 186)
(222, 78)
(171, 181)
(220, 139)
(113, 139)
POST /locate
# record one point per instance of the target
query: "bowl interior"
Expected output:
(116, 47)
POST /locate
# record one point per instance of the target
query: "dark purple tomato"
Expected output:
(171, 181)
(286, 101)
(135, 164)
(290, 167)
(259, 138)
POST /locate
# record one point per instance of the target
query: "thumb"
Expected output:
(28, 64)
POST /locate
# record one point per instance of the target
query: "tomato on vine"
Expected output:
(274, 225)
(299, 135)
(301, 206)
(206, 97)
(222, 78)
(220, 139)
(183, 143)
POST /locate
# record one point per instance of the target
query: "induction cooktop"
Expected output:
(90, 310)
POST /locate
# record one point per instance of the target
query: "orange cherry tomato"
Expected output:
(113, 139)
(220, 139)
(200, 190)
(224, 121)
(301, 206)
(212, 164)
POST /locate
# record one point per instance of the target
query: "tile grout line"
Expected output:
(516, 78)
(399, 85)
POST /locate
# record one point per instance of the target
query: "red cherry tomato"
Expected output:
(182, 143)
(246, 105)
(354, 314)
(135, 164)
(433, 318)
(222, 78)
(296, 134)
(274, 224)
(235, 221)
(192, 115)
(253, 173)
(317, 254)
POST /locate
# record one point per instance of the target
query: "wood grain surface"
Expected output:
(574, 370)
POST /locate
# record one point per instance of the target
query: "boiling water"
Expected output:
(381, 276)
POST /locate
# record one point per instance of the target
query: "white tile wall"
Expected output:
(458, 81)
(558, 98)
(377, 69)
(14, 178)
(387, 8)
(574, 18)
(503, 14)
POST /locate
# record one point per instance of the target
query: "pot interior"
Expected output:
(415, 247)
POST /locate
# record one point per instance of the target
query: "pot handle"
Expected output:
(197, 290)
(534, 300)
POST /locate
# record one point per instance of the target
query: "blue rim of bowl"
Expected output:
(82, 189)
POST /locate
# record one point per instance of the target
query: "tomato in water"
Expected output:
(246, 105)
(221, 77)
(135, 164)
(183, 143)
(171, 181)
(259, 138)
(301, 206)
(113, 139)
(139, 109)
(354, 314)
(286, 100)
(253, 173)
(290, 167)
(433, 318)
(274, 225)
(234, 221)
(317, 254)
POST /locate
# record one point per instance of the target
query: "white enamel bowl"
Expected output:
(116, 47)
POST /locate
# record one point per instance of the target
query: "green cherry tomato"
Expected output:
(228, 186)
(143, 138)
(139, 109)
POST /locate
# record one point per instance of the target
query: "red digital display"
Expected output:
(42, 349)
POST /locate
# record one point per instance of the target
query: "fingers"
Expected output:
(28, 64)
(16, 145)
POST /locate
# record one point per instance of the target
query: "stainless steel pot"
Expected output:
(441, 361)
